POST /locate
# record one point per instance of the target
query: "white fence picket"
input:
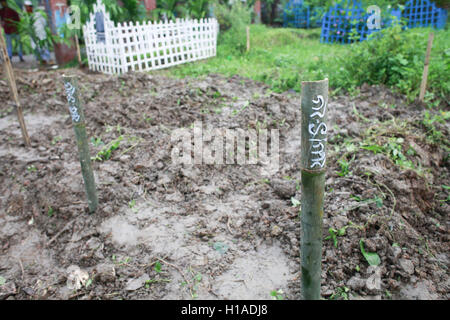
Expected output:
(148, 45)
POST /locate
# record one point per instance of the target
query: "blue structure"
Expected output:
(346, 22)
(343, 23)
(297, 14)
(423, 13)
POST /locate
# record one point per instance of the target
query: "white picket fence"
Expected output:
(148, 46)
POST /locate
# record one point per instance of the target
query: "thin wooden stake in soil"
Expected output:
(313, 157)
(12, 85)
(79, 125)
(423, 85)
(78, 50)
(248, 39)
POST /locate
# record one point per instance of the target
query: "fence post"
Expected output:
(313, 157)
(13, 87)
(79, 126)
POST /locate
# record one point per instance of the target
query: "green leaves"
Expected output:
(295, 203)
(2, 281)
(158, 267)
(277, 294)
(107, 150)
(336, 233)
(372, 257)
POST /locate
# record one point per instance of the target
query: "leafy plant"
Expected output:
(198, 9)
(132, 205)
(106, 151)
(336, 233)
(234, 19)
(97, 141)
(168, 9)
(277, 294)
(158, 267)
(341, 293)
(50, 212)
(27, 30)
(344, 164)
(395, 57)
(132, 10)
(371, 257)
(295, 203)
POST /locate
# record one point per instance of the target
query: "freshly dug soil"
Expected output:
(173, 231)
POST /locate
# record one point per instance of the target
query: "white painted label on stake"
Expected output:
(70, 91)
(315, 128)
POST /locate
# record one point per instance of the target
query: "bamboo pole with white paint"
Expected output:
(423, 85)
(79, 126)
(13, 87)
(314, 104)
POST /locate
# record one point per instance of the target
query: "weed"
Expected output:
(132, 205)
(334, 234)
(31, 168)
(158, 267)
(106, 151)
(295, 203)
(371, 257)
(56, 140)
(50, 212)
(341, 293)
(344, 164)
(277, 294)
(96, 142)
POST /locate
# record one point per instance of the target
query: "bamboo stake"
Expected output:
(248, 39)
(79, 126)
(78, 50)
(423, 85)
(313, 158)
(13, 87)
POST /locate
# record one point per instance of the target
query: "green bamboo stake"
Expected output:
(79, 126)
(313, 157)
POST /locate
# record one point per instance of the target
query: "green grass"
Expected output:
(283, 57)
(280, 57)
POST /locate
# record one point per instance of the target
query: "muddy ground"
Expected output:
(173, 231)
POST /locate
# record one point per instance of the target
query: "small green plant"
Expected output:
(433, 134)
(97, 141)
(345, 164)
(31, 168)
(334, 234)
(197, 279)
(88, 283)
(277, 294)
(295, 203)
(50, 212)
(371, 257)
(56, 140)
(132, 205)
(340, 294)
(158, 267)
(106, 152)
